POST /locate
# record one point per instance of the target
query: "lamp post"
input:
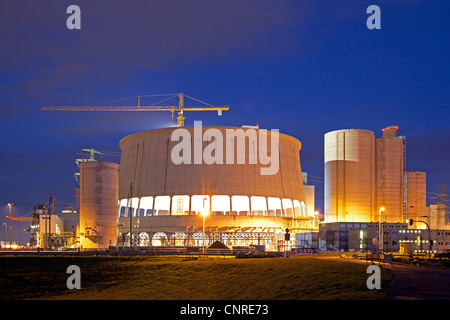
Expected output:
(10, 206)
(6, 225)
(380, 232)
(204, 214)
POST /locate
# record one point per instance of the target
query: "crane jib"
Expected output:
(180, 108)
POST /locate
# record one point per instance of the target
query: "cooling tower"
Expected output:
(169, 176)
(98, 204)
(350, 176)
(416, 197)
(389, 178)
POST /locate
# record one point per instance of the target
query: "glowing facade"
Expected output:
(364, 174)
(165, 197)
(350, 176)
(389, 168)
(98, 204)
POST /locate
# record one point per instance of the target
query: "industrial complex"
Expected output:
(372, 201)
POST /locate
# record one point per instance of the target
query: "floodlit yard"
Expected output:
(187, 278)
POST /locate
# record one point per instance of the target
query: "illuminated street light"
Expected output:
(380, 235)
(204, 214)
(5, 224)
(10, 224)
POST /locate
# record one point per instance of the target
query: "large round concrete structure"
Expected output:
(248, 180)
(98, 204)
(389, 178)
(350, 176)
(416, 197)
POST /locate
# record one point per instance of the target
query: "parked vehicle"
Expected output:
(443, 255)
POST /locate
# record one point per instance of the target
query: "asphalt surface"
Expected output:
(419, 283)
(414, 282)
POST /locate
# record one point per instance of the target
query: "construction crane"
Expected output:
(180, 108)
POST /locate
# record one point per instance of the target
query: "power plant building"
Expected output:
(98, 204)
(350, 193)
(416, 199)
(390, 171)
(169, 177)
(366, 180)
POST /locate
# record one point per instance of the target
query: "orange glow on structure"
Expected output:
(390, 127)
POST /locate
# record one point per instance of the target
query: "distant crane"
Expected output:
(179, 109)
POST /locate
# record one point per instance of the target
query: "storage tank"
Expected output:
(416, 183)
(98, 204)
(166, 197)
(389, 177)
(350, 176)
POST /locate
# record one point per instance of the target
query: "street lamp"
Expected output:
(6, 225)
(204, 214)
(380, 234)
(10, 226)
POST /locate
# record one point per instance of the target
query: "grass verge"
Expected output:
(178, 278)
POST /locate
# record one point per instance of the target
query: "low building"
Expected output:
(364, 236)
(57, 231)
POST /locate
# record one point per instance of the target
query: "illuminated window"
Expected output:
(259, 206)
(241, 204)
(199, 203)
(146, 206)
(274, 207)
(180, 205)
(220, 205)
(297, 209)
(288, 208)
(123, 205)
(134, 206)
(162, 205)
(304, 211)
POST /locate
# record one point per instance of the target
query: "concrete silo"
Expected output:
(350, 194)
(166, 198)
(389, 161)
(416, 197)
(98, 204)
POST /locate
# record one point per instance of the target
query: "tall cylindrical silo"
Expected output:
(98, 204)
(350, 175)
(416, 184)
(389, 178)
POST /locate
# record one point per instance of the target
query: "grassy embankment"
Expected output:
(177, 278)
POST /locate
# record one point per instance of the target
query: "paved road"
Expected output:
(419, 283)
(415, 283)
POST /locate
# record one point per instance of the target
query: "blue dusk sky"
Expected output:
(303, 67)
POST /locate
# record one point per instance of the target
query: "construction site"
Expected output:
(150, 201)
